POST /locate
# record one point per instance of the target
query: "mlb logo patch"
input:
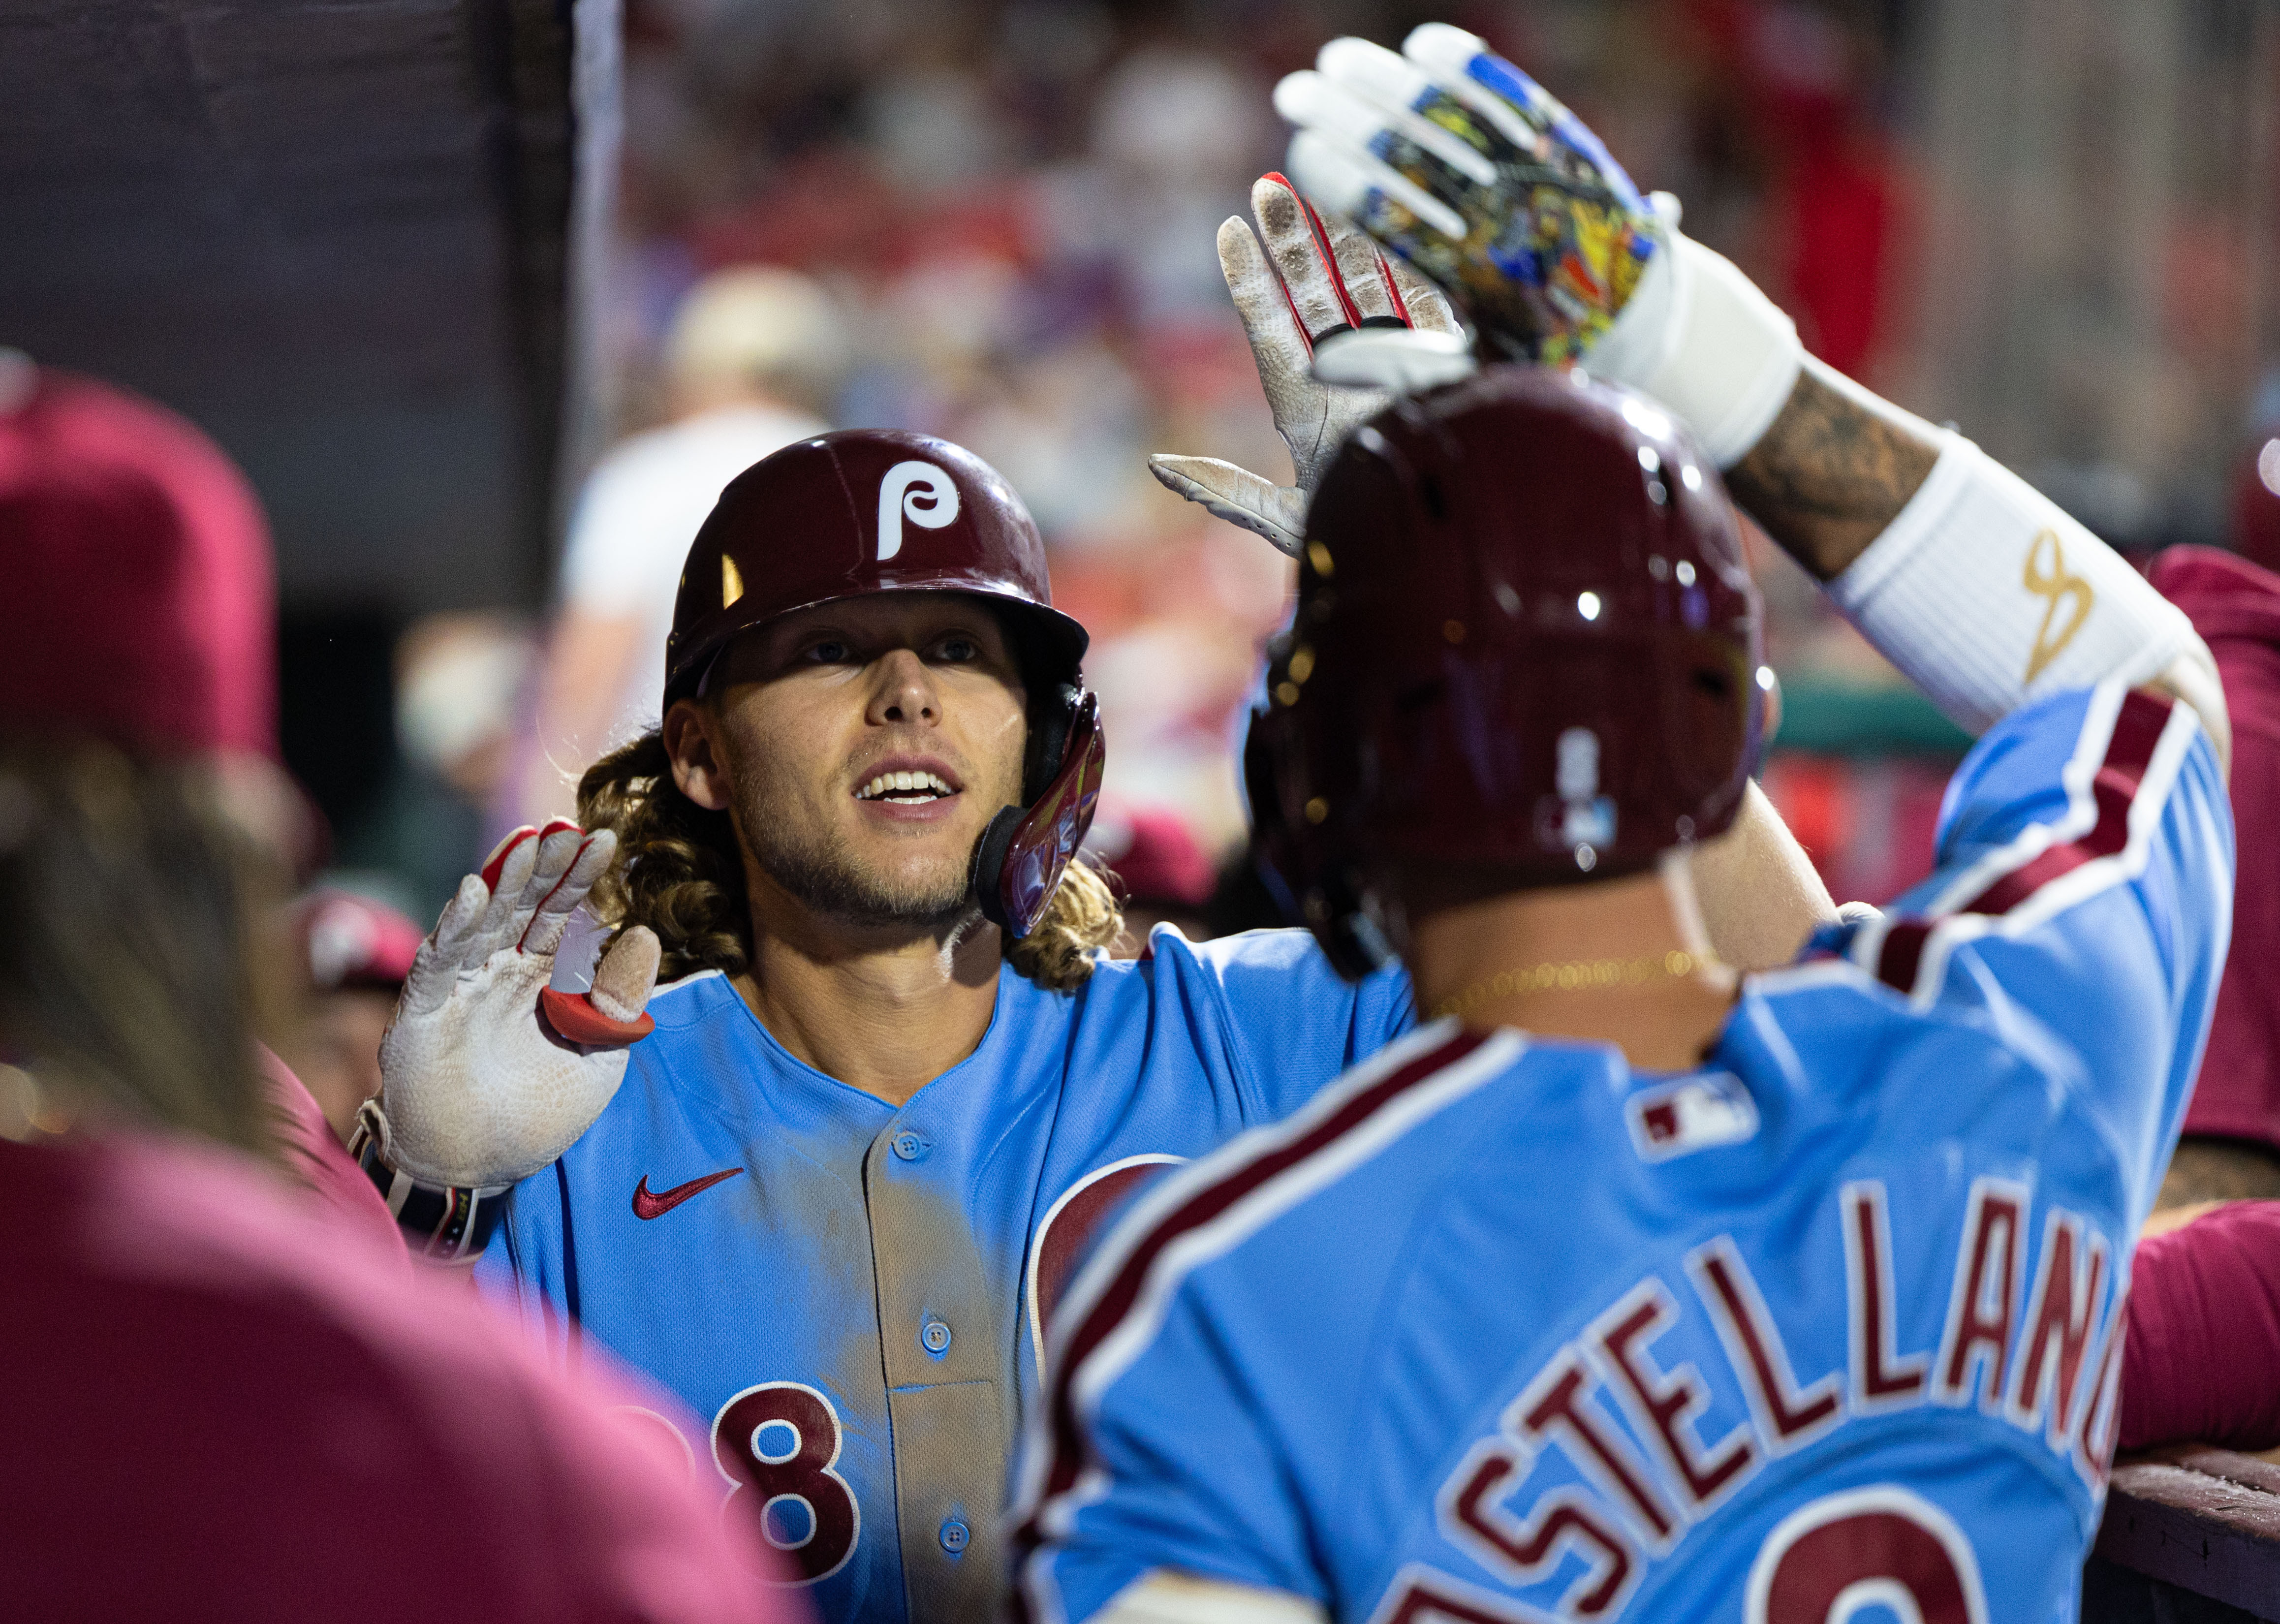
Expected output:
(1693, 1113)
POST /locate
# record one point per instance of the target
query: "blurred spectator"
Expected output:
(2232, 1143)
(140, 614)
(458, 679)
(355, 953)
(753, 362)
(462, 703)
(1163, 874)
(2255, 517)
(301, 1393)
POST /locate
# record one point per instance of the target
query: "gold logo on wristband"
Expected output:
(2053, 584)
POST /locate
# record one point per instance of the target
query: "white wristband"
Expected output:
(1987, 595)
(1698, 336)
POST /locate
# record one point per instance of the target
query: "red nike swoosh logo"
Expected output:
(647, 1205)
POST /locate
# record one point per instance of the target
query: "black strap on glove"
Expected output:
(449, 1223)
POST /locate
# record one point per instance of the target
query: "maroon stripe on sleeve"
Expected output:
(2138, 729)
(1897, 959)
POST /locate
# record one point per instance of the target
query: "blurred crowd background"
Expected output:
(2049, 222)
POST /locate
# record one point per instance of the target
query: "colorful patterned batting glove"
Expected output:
(1459, 162)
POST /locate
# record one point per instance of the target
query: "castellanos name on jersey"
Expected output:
(845, 1291)
(1500, 1330)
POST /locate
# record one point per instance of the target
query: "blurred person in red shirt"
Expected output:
(141, 611)
(2204, 1339)
(216, 1390)
(355, 953)
(2232, 1143)
(217, 1383)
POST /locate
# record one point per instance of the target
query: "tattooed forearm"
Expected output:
(1831, 473)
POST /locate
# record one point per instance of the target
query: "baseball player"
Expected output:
(890, 1083)
(1617, 1290)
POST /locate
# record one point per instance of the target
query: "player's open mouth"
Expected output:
(905, 788)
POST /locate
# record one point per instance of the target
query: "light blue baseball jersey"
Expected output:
(1497, 1329)
(846, 1292)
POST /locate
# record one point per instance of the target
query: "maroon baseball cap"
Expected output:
(139, 605)
(855, 512)
(349, 941)
(1150, 851)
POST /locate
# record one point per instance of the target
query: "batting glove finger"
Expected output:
(435, 967)
(1239, 496)
(626, 975)
(592, 859)
(558, 847)
(506, 872)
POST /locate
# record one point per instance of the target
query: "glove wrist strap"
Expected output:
(1698, 336)
(450, 1223)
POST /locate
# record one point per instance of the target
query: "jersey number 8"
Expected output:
(776, 1443)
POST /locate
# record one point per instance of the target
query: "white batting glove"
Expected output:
(489, 1074)
(1313, 280)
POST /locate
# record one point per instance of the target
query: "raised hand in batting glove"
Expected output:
(488, 1073)
(1457, 161)
(1317, 293)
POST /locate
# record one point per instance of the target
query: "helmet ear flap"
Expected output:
(1019, 861)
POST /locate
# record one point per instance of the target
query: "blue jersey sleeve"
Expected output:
(2081, 906)
(1289, 1022)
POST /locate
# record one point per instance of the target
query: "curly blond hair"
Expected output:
(680, 873)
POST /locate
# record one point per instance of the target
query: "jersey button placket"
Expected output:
(940, 1353)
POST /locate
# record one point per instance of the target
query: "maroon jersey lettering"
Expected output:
(1554, 1406)
(1521, 1551)
(1983, 1302)
(1880, 1379)
(1788, 1418)
(1667, 1403)
(2066, 1284)
(1878, 1546)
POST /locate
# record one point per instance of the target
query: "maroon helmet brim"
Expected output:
(1063, 638)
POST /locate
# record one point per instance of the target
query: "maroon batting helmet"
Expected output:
(865, 510)
(1526, 638)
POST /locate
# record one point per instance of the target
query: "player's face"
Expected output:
(865, 745)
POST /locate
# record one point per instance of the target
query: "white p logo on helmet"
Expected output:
(920, 492)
